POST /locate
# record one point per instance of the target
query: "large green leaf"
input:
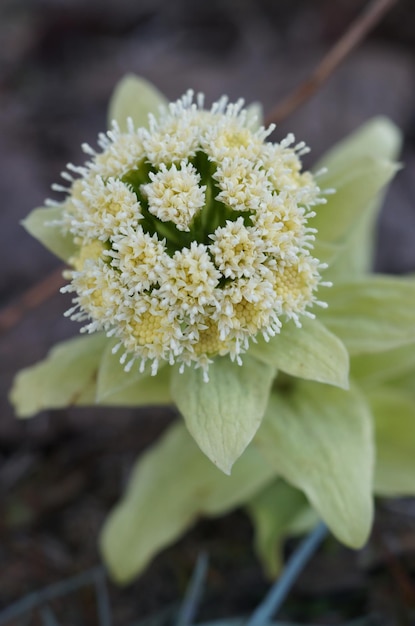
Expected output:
(223, 414)
(40, 224)
(356, 188)
(355, 255)
(372, 370)
(372, 314)
(134, 97)
(319, 438)
(151, 390)
(394, 414)
(275, 512)
(171, 485)
(311, 352)
(379, 137)
(327, 252)
(112, 377)
(66, 377)
(357, 168)
(404, 382)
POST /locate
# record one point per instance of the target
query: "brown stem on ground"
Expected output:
(354, 35)
(36, 295)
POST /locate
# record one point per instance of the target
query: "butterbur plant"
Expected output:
(209, 270)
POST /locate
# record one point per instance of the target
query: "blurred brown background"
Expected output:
(59, 61)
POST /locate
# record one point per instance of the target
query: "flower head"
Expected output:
(193, 235)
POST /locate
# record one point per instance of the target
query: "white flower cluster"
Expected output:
(192, 235)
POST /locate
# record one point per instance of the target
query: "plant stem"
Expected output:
(278, 592)
(193, 593)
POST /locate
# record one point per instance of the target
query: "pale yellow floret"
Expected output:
(284, 171)
(88, 252)
(123, 152)
(106, 207)
(190, 281)
(148, 330)
(140, 258)
(295, 283)
(282, 226)
(242, 184)
(230, 138)
(99, 294)
(174, 195)
(250, 316)
(171, 139)
(74, 211)
(209, 341)
(77, 188)
(237, 250)
(247, 306)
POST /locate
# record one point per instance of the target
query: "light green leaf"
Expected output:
(112, 377)
(394, 414)
(134, 97)
(311, 352)
(372, 370)
(66, 377)
(151, 390)
(379, 137)
(39, 223)
(274, 511)
(305, 521)
(319, 438)
(69, 376)
(171, 485)
(327, 252)
(355, 255)
(404, 382)
(372, 314)
(357, 168)
(356, 188)
(224, 414)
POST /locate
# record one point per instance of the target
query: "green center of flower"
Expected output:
(210, 214)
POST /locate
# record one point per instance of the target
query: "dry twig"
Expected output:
(355, 34)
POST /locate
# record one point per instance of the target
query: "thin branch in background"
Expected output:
(31, 299)
(354, 35)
